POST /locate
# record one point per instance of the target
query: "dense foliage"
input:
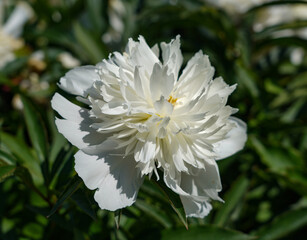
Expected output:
(264, 186)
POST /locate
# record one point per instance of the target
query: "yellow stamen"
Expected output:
(172, 100)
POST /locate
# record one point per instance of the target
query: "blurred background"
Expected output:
(258, 44)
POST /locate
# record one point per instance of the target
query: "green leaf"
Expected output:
(94, 9)
(17, 147)
(24, 175)
(7, 158)
(247, 78)
(276, 158)
(6, 171)
(283, 225)
(73, 186)
(175, 202)
(204, 233)
(82, 201)
(117, 215)
(62, 167)
(295, 178)
(152, 189)
(233, 198)
(154, 212)
(281, 41)
(57, 147)
(92, 47)
(24, 155)
(36, 129)
(290, 115)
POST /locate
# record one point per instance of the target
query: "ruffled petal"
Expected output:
(141, 54)
(196, 188)
(194, 208)
(172, 56)
(195, 77)
(68, 110)
(76, 125)
(116, 179)
(161, 83)
(79, 80)
(234, 141)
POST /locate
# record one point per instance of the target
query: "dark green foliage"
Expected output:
(264, 186)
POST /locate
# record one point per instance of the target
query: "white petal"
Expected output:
(197, 63)
(68, 110)
(145, 151)
(196, 188)
(161, 83)
(138, 83)
(172, 56)
(234, 141)
(163, 107)
(142, 55)
(114, 108)
(188, 185)
(194, 208)
(203, 182)
(76, 127)
(79, 80)
(116, 179)
(195, 77)
(218, 86)
(156, 50)
(80, 135)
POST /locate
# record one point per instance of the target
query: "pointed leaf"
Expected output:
(82, 201)
(24, 155)
(73, 186)
(232, 199)
(7, 158)
(117, 215)
(94, 49)
(283, 225)
(35, 128)
(276, 158)
(204, 232)
(155, 213)
(175, 202)
(6, 171)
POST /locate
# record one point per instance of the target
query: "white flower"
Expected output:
(142, 116)
(279, 14)
(236, 6)
(11, 30)
(67, 60)
(116, 13)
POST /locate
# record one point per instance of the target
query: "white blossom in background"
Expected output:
(116, 13)
(234, 7)
(143, 117)
(279, 14)
(11, 30)
(37, 60)
(270, 16)
(275, 15)
(67, 60)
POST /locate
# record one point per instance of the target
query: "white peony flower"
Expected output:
(11, 30)
(280, 14)
(236, 6)
(68, 60)
(143, 116)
